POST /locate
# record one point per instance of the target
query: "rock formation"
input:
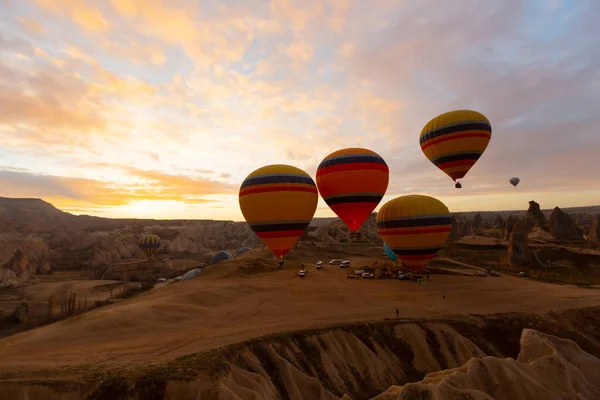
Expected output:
(562, 226)
(594, 234)
(498, 222)
(518, 248)
(547, 368)
(510, 222)
(478, 221)
(20, 265)
(337, 232)
(535, 218)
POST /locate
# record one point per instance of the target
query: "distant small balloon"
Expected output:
(514, 181)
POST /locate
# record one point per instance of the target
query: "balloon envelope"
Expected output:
(455, 140)
(220, 256)
(514, 181)
(352, 182)
(389, 252)
(149, 244)
(242, 251)
(191, 274)
(415, 227)
(278, 202)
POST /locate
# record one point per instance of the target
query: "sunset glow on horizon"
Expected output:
(160, 109)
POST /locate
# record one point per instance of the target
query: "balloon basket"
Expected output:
(355, 236)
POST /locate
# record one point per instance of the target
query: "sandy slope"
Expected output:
(222, 306)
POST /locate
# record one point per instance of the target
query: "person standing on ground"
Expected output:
(397, 313)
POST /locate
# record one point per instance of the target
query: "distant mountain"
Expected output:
(37, 215)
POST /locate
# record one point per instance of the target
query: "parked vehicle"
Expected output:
(367, 275)
(335, 261)
(480, 273)
(523, 273)
(345, 264)
(404, 277)
(493, 273)
(319, 264)
(302, 273)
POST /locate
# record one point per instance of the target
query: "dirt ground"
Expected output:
(224, 306)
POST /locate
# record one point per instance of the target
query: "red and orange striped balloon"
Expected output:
(415, 227)
(352, 182)
(455, 140)
(278, 202)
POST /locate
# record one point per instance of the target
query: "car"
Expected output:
(345, 264)
(367, 275)
(523, 273)
(335, 261)
(494, 273)
(480, 273)
(301, 273)
(404, 277)
(319, 264)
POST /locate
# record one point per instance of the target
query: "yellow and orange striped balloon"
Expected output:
(149, 244)
(278, 202)
(352, 182)
(415, 227)
(455, 140)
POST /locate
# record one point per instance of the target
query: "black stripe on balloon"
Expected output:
(280, 227)
(417, 252)
(457, 157)
(264, 180)
(413, 223)
(472, 126)
(353, 199)
(148, 245)
(366, 158)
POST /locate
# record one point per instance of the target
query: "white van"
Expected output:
(319, 264)
(345, 264)
(335, 261)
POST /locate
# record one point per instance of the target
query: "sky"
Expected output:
(161, 108)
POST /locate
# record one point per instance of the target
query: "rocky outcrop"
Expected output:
(504, 356)
(499, 222)
(20, 265)
(562, 226)
(337, 232)
(478, 221)
(547, 368)
(510, 222)
(535, 218)
(518, 247)
(594, 234)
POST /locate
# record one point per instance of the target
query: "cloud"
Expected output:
(86, 14)
(160, 90)
(136, 52)
(152, 185)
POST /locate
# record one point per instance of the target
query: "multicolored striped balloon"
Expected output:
(455, 140)
(352, 182)
(149, 244)
(415, 227)
(278, 202)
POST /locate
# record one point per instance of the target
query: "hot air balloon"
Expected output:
(415, 227)
(242, 251)
(352, 182)
(149, 245)
(220, 256)
(278, 202)
(455, 140)
(514, 181)
(389, 252)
